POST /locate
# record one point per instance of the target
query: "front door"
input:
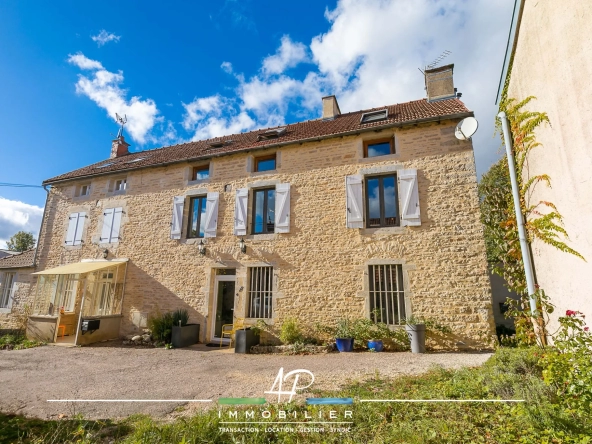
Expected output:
(223, 304)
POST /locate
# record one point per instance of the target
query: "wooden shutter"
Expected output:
(79, 228)
(177, 221)
(71, 233)
(409, 198)
(240, 212)
(211, 215)
(354, 201)
(107, 225)
(116, 225)
(282, 208)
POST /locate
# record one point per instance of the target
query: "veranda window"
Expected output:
(56, 292)
(104, 293)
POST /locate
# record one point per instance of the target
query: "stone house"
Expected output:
(15, 281)
(550, 52)
(373, 211)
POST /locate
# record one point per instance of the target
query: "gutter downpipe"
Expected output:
(42, 221)
(519, 217)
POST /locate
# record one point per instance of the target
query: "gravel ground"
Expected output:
(28, 378)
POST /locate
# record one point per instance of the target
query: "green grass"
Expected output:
(17, 342)
(509, 374)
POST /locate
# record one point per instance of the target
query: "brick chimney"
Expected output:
(330, 108)
(439, 83)
(119, 147)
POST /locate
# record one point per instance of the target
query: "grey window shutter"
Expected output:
(71, 233)
(282, 208)
(79, 228)
(116, 229)
(107, 225)
(354, 201)
(177, 221)
(211, 224)
(409, 198)
(240, 212)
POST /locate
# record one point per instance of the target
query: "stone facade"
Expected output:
(14, 317)
(320, 268)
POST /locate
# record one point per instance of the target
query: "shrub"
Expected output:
(290, 332)
(180, 315)
(161, 326)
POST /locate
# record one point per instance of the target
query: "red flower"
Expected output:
(586, 328)
(570, 313)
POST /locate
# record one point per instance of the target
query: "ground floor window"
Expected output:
(387, 295)
(6, 283)
(260, 292)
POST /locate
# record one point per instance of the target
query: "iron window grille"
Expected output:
(260, 292)
(387, 295)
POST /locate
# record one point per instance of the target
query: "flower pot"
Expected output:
(185, 336)
(344, 344)
(416, 333)
(375, 344)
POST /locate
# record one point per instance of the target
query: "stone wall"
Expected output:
(320, 266)
(23, 296)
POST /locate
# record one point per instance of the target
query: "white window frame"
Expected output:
(7, 290)
(120, 185)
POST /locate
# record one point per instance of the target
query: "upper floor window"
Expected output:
(75, 228)
(382, 201)
(111, 225)
(82, 190)
(200, 172)
(197, 217)
(264, 211)
(120, 185)
(265, 163)
(382, 147)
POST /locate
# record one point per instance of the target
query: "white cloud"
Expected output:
(18, 216)
(103, 87)
(288, 55)
(105, 37)
(226, 67)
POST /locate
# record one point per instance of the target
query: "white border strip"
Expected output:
(129, 400)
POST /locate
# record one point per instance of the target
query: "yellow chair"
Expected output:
(230, 329)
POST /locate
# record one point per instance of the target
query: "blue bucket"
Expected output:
(344, 344)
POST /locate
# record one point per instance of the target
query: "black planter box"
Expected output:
(244, 340)
(185, 336)
(89, 325)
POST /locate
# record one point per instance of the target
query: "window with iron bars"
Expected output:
(260, 292)
(387, 296)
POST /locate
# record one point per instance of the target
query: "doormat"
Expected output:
(213, 344)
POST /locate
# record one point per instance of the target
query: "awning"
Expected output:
(81, 267)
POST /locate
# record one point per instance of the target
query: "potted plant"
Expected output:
(416, 329)
(344, 335)
(183, 334)
(373, 333)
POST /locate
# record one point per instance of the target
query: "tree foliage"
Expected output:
(21, 241)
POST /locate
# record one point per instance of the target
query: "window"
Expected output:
(6, 284)
(387, 297)
(260, 292)
(374, 116)
(382, 147)
(65, 297)
(264, 211)
(197, 217)
(111, 225)
(120, 185)
(75, 228)
(381, 201)
(84, 190)
(266, 163)
(201, 172)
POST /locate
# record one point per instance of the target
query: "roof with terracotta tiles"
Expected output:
(398, 115)
(19, 260)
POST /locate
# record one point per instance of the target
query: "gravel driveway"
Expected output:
(28, 378)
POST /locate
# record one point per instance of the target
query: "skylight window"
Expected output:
(136, 160)
(272, 133)
(219, 143)
(105, 165)
(374, 116)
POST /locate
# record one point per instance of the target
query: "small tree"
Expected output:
(21, 241)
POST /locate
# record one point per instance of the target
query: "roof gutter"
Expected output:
(279, 144)
(42, 222)
(511, 46)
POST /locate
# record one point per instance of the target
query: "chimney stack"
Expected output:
(330, 108)
(439, 83)
(119, 147)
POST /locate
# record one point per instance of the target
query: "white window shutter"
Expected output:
(240, 212)
(79, 228)
(409, 198)
(177, 221)
(116, 225)
(282, 208)
(354, 201)
(107, 224)
(211, 224)
(71, 233)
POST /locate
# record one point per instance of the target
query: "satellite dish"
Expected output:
(466, 128)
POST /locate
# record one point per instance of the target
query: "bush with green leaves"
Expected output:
(180, 317)
(290, 332)
(161, 326)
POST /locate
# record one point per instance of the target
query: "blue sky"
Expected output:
(192, 70)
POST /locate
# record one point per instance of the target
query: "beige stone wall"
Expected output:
(320, 267)
(13, 318)
(553, 61)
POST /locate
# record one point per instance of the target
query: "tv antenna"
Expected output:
(122, 121)
(466, 128)
(439, 59)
